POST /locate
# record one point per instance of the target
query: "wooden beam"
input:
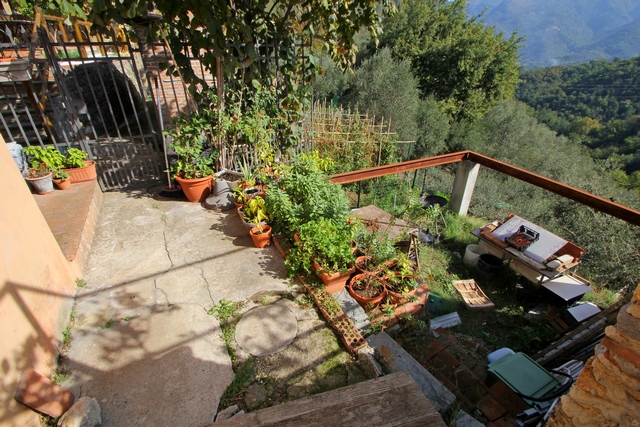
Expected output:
(598, 203)
(359, 175)
(391, 400)
(609, 207)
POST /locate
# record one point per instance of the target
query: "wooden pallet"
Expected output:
(474, 298)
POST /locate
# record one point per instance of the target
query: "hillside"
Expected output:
(563, 32)
(595, 103)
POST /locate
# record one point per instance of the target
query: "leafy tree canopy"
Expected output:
(240, 32)
(593, 103)
(460, 61)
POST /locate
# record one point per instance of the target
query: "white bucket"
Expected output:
(471, 255)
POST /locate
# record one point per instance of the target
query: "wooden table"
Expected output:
(535, 258)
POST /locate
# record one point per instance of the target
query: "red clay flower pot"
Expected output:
(334, 282)
(261, 236)
(197, 189)
(83, 174)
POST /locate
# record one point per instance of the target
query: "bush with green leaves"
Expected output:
(303, 194)
(192, 138)
(324, 241)
(75, 158)
(50, 156)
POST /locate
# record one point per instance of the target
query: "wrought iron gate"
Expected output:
(107, 104)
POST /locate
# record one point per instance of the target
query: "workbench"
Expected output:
(547, 258)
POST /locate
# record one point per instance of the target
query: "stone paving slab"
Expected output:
(266, 330)
(143, 344)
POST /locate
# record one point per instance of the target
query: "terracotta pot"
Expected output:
(395, 295)
(63, 184)
(83, 174)
(261, 236)
(42, 184)
(361, 262)
(366, 300)
(197, 189)
(335, 282)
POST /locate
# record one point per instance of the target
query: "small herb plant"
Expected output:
(327, 242)
(191, 140)
(61, 175)
(50, 157)
(75, 158)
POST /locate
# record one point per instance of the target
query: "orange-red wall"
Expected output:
(36, 291)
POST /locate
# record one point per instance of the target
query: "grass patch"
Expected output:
(66, 334)
(227, 314)
(81, 283)
(244, 373)
(505, 326)
(106, 325)
(601, 297)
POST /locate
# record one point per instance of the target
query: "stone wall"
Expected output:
(607, 392)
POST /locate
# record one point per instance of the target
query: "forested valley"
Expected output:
(449, 83)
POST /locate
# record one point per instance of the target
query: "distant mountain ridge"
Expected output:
(564, 32)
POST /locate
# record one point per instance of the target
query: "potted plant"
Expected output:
(324, 249)
(260, 234)
(238, 197)
(43, 162)
(254, 211)
(78, 167)
(376, 248)
(193, 167)
(367, 288)
(62, 179)
(40, 179)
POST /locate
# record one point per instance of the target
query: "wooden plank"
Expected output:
(582, 333)
(473, 296)
(391, 400)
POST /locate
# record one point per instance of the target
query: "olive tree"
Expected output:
(464, 64)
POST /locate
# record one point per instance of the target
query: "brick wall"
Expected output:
(607, 392)
(172, 92)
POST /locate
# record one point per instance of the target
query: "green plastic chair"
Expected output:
(527, 378)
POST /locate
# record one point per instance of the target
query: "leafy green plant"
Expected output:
(50, 156)
(61, 175)
(193, 140)
(238, 195)
(75, 158)
(378, 248)
(255, 211)
(189, 144)
(327, 242)
(302, 194)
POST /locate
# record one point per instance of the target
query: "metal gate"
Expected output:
(106, 106)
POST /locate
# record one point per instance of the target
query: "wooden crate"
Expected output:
(474, 298)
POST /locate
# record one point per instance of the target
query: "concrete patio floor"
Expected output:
(143, 344)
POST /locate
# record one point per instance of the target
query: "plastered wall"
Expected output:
(36, 291)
